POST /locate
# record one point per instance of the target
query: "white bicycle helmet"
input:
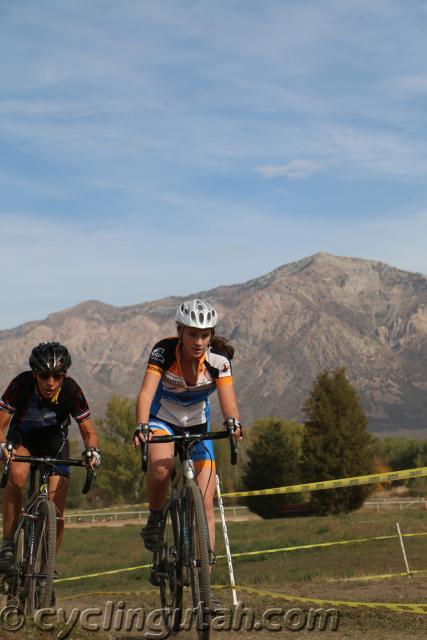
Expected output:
(196, 313)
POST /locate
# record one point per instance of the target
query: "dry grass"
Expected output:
(305, 573)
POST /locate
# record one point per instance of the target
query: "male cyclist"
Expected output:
(36, 409)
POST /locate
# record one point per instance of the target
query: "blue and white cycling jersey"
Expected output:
(175, 401)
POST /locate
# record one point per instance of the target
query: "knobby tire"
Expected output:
(199, 559)
(41, 563)
(18, 583)
(170, 569)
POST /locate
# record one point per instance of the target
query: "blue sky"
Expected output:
(158, 148)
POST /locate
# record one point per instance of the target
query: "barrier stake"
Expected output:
(226, 542)
(403, 550)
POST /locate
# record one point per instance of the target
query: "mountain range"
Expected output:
(318, 313)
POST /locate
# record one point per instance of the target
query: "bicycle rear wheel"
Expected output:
(198, 555)
(41, 561)
(170, 570)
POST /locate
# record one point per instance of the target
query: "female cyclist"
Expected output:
(35, 413)
(181, 374)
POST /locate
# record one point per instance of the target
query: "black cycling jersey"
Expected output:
(42, 425)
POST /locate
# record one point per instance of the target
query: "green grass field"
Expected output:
(100, 549)
(310, 573)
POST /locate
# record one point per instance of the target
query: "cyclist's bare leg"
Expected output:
(161, 462)
(58, 487)
(12, 498)
(206, 474)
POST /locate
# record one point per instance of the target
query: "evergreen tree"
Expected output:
(272, 460)
(336, 442)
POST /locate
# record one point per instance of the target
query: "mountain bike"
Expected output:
(29, 584)
(185, 556)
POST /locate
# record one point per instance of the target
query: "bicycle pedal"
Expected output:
(197, 563)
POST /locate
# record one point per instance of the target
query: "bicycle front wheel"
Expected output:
(198, 556)
(18, 582)
(41, 562)
(170, 570)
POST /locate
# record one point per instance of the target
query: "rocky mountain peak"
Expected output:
(323, 311)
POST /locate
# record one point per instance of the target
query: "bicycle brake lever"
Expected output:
(6, 470)
(229, 424)
(90, 476)
(144, 453)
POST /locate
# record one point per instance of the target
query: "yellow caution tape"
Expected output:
(393, 606)
(249, 553)
(103, 573)
(319, 544)
(419, 472)
(378, 577)
(333, 484)
(107, 593)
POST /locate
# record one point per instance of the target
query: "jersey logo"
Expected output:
(225, 366)
(157, 354)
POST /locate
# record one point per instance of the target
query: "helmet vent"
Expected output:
(196, 313)
(50, 357)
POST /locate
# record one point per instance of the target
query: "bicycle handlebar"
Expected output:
(73, 462)
(188, 436)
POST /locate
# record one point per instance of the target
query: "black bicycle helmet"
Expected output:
(50, 357)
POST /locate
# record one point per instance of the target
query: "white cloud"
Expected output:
(348, 151)
(294, 170)
(112, 84)
(407, 86)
